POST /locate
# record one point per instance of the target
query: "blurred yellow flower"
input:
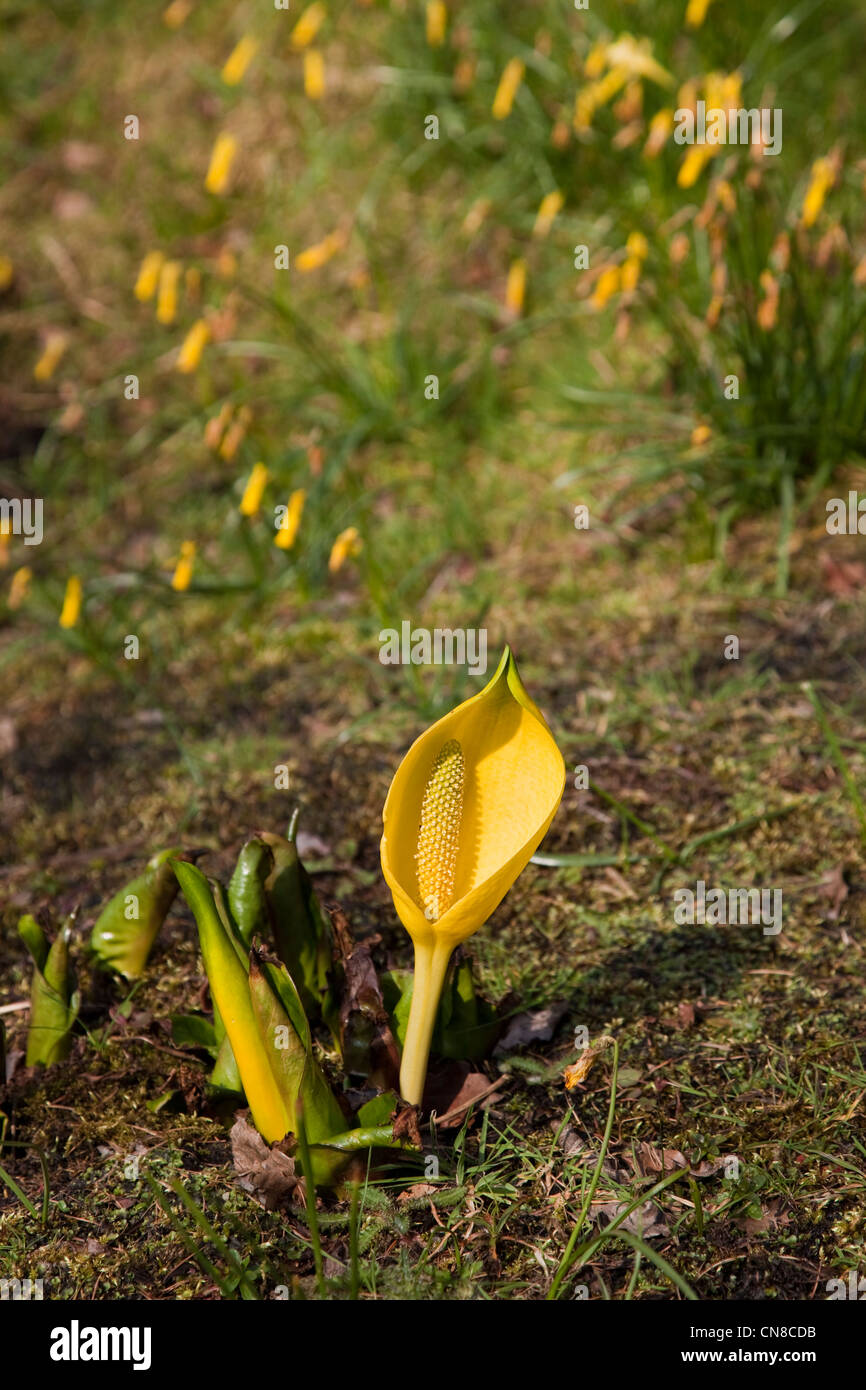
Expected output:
(606, 286)
(679, 247)
(701, 434)
(696, 12)
(288, 527)
(148, 276)
(437, 22)
(217, 426)
(235, 434)
(193, 346)
(5, 538)
(180, 580)
(316, 256)
(551, 205)
(166, 299)
(308, 25)
(476, 215)
(512, 76)
(515, 286)
(637, 246)
(634, 57)
(7, 271)
(20, 586)
(660, 129)
(347, 543)
(596, 61)
(222, 158)
(692, 166)
(314, 74)
(55, 345)
(254, 490)
(71, 610)
(822, 179)
(464, 74)
(238, 61)
(769, 306)
(176, 13)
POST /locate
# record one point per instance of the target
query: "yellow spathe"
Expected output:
(511, 779)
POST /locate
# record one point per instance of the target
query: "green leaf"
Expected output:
(127, 927)
(193, 1030)
(246, 897)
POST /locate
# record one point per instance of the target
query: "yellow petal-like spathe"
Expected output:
(514, 776)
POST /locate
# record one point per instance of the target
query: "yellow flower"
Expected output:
(596, 61)
(222, 158)
(822, 180)
(696, 12)
(234, 436)
(693, 164)
(166, 299)
(288, 527)
(468, 807)
(20, 586)
(183, 569)
(217, 426)
(7, 272)
(769, 307)
(512, 76)
(148, 276)
(347, 543)
(634, 57)
(660, 128)
(437, 22)
(176, 13)
(55, 345)
(254, 490)
(551, 205)
(238, 61)
(308, 25)
(701, 434)
(515, 287)
(5, 538)
(606, 286)
(71, 610)
(314, 74)
(193, 346)
(316, 256)
(637, 246)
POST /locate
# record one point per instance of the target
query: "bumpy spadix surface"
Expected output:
(439, 831)
(512, 781)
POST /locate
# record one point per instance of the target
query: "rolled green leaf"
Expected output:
(128, 925)
(230, 991)
(53, 1003)
(247, 898)
(302, 932)
(286, 1039)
